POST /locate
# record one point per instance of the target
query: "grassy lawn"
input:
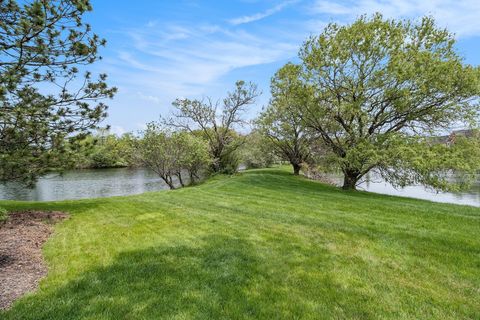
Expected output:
(260, 245)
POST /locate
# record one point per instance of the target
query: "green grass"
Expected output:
(260, 245)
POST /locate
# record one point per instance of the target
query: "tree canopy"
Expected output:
(46, 95)
(281, 123)
(168, 153)
(216, 121)
(378, 87)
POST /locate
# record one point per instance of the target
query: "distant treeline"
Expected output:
(104, 150)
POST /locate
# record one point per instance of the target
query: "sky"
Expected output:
(159, 50)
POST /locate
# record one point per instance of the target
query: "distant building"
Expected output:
(450, 139)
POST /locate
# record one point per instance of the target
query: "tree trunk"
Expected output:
(216, 165)
(168, 181)
(296, 169)
(192, 177)
(179, 175)
(350, 179)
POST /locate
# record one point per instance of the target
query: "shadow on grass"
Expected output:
(221, 279)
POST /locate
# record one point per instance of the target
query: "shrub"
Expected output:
(3, 214)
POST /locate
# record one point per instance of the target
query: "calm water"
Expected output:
(378, 185)
(80, 184)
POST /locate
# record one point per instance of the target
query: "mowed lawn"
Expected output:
(262, 244)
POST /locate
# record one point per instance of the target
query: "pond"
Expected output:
(88, 183)
(96, 183)
(469, 197)
(374, 183)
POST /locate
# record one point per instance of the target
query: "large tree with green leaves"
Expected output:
(281, 123)
(46, 95)
(216, 121)
(378, 87)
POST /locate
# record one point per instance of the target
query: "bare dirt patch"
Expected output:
(21, 261)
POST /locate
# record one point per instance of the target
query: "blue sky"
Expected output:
(160, 50)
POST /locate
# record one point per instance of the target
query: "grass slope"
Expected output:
(260, 245)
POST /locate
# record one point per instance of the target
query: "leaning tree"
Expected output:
(46, 95)
(216, 121)
(379, 88)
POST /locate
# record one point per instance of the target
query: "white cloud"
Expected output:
(459, 16)
(261, 15)
(147, 97)
(117, 130)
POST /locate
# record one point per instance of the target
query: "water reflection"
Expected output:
(81, 184)
(373, 183)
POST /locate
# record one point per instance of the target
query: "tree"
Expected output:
(156, 151)
(216, 125)
(168, 154)
(281, 123)
(257, 151)
(45, 99)
(109, 151)
(377, 87)
(194, 154)
(102, 150)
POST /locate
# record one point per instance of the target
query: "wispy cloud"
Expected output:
(172, 54)
(261, 15)
(459, 16)
(170, 65)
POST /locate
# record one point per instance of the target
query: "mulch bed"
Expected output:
(21, 261)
